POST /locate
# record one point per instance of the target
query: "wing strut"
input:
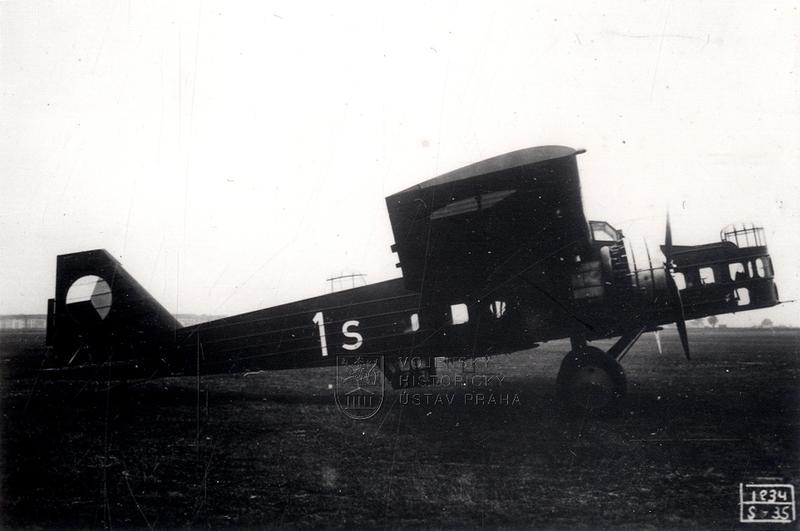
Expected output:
(625, 342)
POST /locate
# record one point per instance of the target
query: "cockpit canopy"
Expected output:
(743, 235)
(602, 231)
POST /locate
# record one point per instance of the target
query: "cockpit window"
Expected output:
(760, 270)
(736, 271)
(604, 232)
(706, 275)
(742, 297)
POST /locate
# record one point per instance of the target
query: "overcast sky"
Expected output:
(234, 156)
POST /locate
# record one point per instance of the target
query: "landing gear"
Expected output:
(591, 383)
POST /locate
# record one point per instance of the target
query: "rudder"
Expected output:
(102, 315)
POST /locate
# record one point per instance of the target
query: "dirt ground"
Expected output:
(275, 451)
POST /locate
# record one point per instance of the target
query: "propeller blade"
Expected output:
(680, 316)
(684, 338)
(668, 240)
(658, 342)
(675, 293)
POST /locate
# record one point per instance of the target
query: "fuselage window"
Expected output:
(680, 280)
(743, 296)
(459, 314)
(706, 275)
(498, 309)
(414, 319)
(736, 271)
(760, 270)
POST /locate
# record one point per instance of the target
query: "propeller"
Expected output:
(675, 293)
(668, 239)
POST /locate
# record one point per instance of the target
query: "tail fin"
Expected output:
(101, 315)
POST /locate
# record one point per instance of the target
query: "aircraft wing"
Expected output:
(472, 229)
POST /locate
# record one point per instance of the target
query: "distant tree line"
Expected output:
(713, 322)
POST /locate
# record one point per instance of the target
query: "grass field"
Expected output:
(274, 450)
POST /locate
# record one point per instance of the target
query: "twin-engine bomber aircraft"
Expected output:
(496, 257)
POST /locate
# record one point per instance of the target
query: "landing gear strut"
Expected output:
(592, 382)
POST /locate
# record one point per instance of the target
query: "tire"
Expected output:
(591, 383)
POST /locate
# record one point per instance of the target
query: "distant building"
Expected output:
(39, 321)
(23, 322)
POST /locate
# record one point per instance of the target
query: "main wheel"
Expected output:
(591, 383)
